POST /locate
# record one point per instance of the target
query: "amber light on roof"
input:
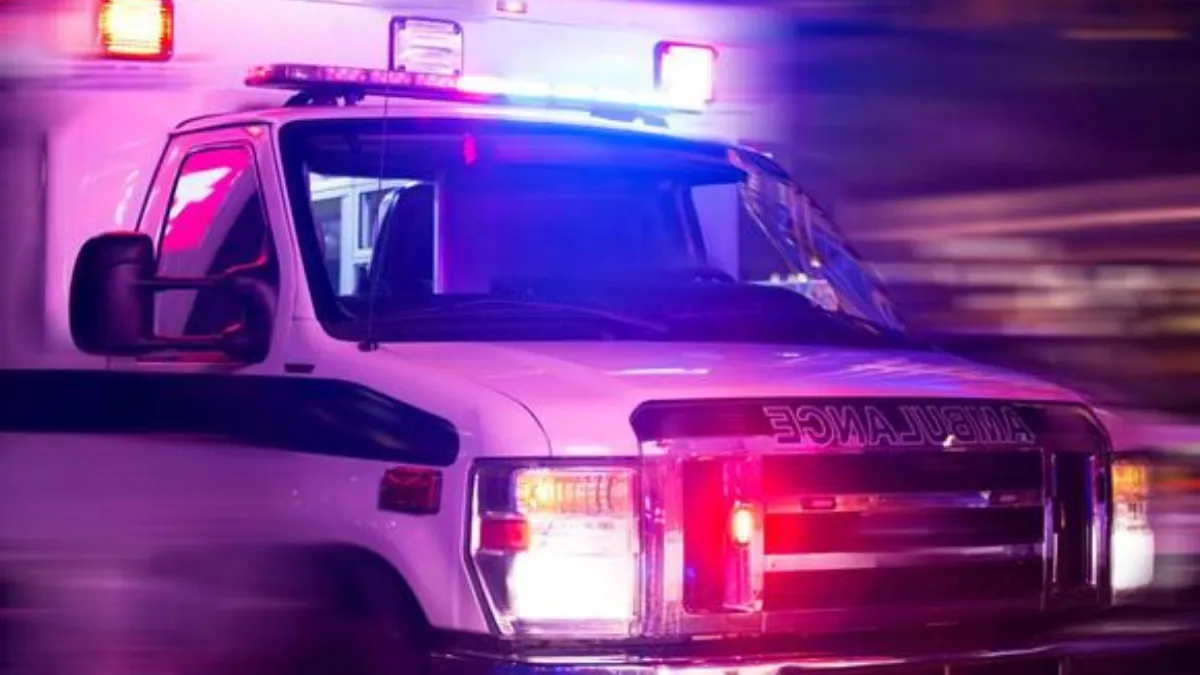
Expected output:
(136, 29)
(512, 6)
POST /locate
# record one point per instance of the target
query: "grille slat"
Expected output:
(851, 589)
(893, 530)
(901, 472)
(915, 500)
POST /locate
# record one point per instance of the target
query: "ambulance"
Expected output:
(410, 362)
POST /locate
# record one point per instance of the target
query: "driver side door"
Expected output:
(210, 213)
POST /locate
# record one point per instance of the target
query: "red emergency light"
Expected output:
(353, 84)
(142, 30)
(686, 70)
(741, 525)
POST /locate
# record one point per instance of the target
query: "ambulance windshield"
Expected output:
(467, 229)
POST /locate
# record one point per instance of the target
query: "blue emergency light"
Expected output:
(354, 84)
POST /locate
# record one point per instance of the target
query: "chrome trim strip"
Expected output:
(1102, 505)
(662, 547)
(1091, 645)
(913, 557)
(769, 446)
(872, 502)
(1094, 587)
(745, 567)
(1049, 538)
(1093, 539)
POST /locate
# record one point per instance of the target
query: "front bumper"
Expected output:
(1141, 645)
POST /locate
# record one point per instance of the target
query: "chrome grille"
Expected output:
(870, 530)
(863, 537)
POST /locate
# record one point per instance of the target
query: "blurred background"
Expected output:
(1026, 176)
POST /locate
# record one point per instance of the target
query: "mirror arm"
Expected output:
(188, 343)
(162, 284)
(227, 342)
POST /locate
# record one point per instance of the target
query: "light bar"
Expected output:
(357, 83)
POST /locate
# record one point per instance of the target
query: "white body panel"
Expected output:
(120, 499)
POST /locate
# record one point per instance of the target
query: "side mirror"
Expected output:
(110, 311)
(112, 303)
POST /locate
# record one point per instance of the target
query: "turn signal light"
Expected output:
(537, 531)
(411, 490)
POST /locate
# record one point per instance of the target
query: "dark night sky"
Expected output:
(885, 115)
(891, 114)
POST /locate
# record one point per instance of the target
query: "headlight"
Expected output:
(555, 548)
(1133, 540)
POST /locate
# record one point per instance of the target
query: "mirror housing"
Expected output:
(112, 303)
(110, 312)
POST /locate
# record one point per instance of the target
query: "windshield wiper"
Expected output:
(698, 274)
(508, 307)
(845, 320)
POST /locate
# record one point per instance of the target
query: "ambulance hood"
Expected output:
(584, 393)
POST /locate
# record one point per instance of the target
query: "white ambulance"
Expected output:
(417, 368)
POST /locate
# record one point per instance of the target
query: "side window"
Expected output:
(349, 212)
(328, 216)
(216, 225)
(369, 211)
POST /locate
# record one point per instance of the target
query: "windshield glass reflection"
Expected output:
(457, 229)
